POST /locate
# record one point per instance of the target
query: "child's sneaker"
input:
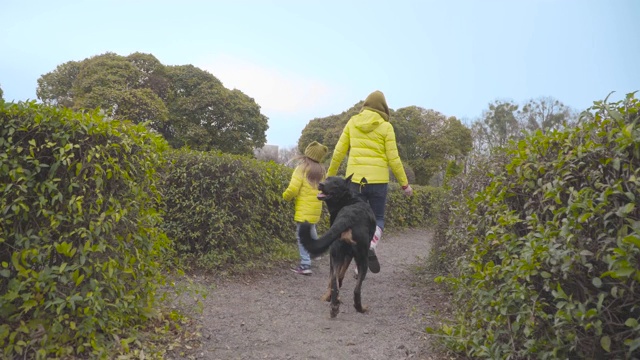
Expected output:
(303, 270)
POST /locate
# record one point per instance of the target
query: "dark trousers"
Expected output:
(376, 196)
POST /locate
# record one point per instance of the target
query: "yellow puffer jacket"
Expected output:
(371, 143)
(308, 207)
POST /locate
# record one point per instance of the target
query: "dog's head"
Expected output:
(334, 189)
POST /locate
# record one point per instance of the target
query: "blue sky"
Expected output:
(305, 59)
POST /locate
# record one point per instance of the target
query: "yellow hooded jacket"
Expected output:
(371, 143)
(308, 207)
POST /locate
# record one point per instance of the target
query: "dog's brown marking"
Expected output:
(347, 237)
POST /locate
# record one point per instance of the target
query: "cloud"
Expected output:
(275, 90)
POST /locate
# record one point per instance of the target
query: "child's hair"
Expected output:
(314, 171)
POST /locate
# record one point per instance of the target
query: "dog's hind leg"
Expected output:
(335, 301)
(357, 298)
(343, 269)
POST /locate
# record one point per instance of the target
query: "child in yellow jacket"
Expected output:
(304, 188)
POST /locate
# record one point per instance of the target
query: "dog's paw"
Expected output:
(334, 311)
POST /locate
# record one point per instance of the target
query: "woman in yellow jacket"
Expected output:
(304, 188)
(371, 142)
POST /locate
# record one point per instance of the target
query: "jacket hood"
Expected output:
(367, 121)
(377, 102)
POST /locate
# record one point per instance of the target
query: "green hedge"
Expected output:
(552, 268)
(226, 210)
(451, 240)
(79, 241)
(418, 210)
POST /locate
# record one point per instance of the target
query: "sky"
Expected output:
(302, 60)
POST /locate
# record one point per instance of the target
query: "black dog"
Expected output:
(353, 222)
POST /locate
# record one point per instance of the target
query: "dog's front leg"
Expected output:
(327, 294)
(343, 270)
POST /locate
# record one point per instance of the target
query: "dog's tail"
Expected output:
(320, 246)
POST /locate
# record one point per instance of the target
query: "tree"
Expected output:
(327, 130)
(498, 125)
(55, 88)
(107, 81)
(267, 153)
(205, 115)
(143, 105)
(459, 139)
(1, 94)
(545, 113)
(153, 74)
(187, 105)
(410, 125)
(428, 141)
(286, 155)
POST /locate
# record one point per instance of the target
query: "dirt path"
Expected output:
(281, 316)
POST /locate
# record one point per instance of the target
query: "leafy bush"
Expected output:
(553, 262)
(223, 210)
(408, 170)
(450, 240)
(419, 210)
(79, 242)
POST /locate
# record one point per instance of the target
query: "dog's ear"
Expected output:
(348, 178)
